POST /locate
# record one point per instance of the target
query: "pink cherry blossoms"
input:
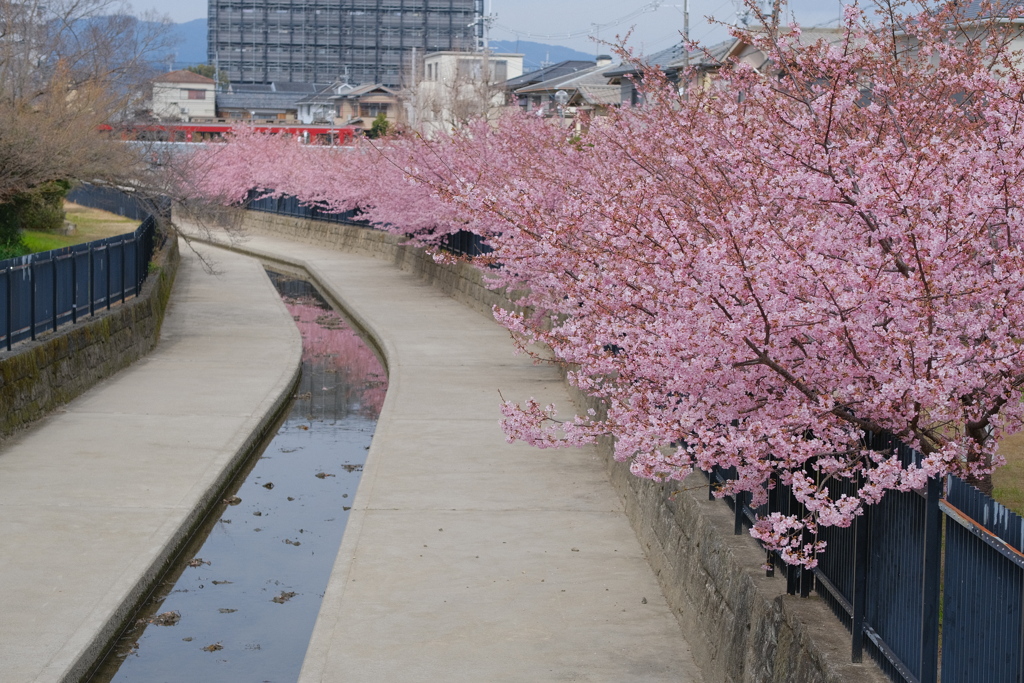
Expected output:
(750, 274)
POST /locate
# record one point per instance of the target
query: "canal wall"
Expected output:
(742, 626)
(36, 377)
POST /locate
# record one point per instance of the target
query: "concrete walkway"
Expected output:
(94, 498)
(466, 558)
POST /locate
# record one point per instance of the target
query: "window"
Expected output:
(370, 110)
(499, 71)
(196, 94)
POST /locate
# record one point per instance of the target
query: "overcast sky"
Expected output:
(572, 22)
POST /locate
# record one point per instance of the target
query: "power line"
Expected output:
(593, 28)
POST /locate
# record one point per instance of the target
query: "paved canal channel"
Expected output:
(242, 604)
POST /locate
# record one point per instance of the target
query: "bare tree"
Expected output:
(456, 90)
(69, 69)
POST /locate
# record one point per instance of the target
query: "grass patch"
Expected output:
(90, 225)
(45, 241)
(1008, 480)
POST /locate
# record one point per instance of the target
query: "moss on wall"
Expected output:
(37, 377)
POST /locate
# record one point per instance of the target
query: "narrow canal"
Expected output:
(242, 604)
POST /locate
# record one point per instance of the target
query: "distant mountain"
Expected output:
(536, 55)
(191, 48)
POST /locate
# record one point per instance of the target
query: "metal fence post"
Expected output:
(32, 300)
(74, 288)
(10, 308)
(92, 282)
(110, 264)
(53, 267)
(931, 583)
(860, 584)
(124, 269)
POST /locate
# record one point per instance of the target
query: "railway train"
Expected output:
(319, 134)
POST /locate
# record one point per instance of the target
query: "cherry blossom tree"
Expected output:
(751, 274)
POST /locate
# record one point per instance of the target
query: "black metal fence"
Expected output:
(928, 582)
(122, 202)
(463, 242)
(291, 206)
(40, 292)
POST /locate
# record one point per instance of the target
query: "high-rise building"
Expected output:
(318, 41)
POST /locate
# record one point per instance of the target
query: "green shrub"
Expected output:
(380, 127)
(41, 208)
(12, 249)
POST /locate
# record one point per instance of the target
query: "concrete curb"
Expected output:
(743, 627)
(264, 418)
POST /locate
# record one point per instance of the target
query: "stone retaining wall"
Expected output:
(37, 377)
(462, 282)
(742, 626)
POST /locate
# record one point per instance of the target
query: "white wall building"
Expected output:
(184, 96)
(456, 87)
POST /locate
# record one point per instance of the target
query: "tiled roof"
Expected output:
(592, 76)
(263, 101)
(973, 10)
(184, 76)
(601, 94)
(547, 73)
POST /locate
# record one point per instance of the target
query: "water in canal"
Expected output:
(242, 604)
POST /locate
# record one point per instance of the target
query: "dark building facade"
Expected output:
(318, 41)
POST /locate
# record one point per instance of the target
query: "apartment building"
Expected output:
(320, 41)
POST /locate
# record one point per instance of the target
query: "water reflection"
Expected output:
(243, 604)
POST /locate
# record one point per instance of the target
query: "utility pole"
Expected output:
(482, 23)
(686, 34)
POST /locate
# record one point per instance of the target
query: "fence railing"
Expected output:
(948, 554)
(40, 292)
(123, 203)
(291, 206)
(930, 583)
(463, 242)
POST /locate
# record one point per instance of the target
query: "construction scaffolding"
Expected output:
(318, 41)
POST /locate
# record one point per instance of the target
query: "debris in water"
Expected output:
(197, 562)
(257, 513)
(269, 485)
(291, 542)
(226, 610)
(220, 583)
(165, 619)
(187, 639)
(213, 648)
(290, 498)
(303, 426)
(323, 475)
(284, 597)
(233, 500)
(352, 468)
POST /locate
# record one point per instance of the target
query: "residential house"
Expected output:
(674, 61)
(263, 101)
(546, 73)
(586, 91)
(347, 105)
(183, 96)
(457, 87)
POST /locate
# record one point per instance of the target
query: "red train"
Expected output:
(213, 132)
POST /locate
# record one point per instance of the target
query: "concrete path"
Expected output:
(466, 558)
(93, 498)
